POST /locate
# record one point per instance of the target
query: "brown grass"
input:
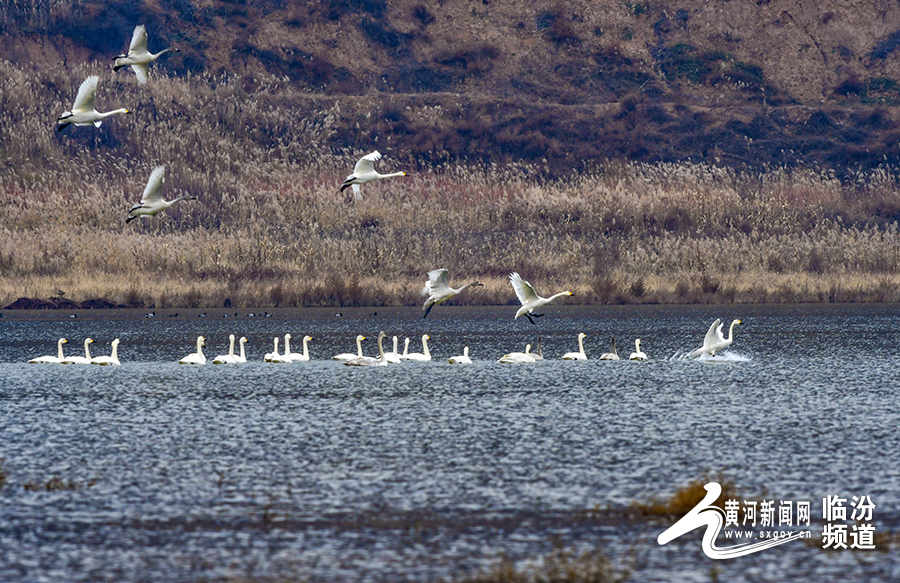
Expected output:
(560, 566)
(269, 227)
(686, 497)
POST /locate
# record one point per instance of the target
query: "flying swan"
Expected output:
(138, 56)
(196, 357)
(364, 172)
(371, 360)
(83, 112)
(529, 298)
(86, 359)
(715, 341)
(52, 359)
(112, 359)
(580, 355)
(438, 289)
(152, 201)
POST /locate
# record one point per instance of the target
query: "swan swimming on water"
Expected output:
(112, 359)
(83, 112)
(229, 358)
(196, 357)
(364, 172)
(370, 360)
(518, 357)
(86, 359)
(52, 359)
(152, 201)
(638, 354)
(614, 355)
(393, 357)
(423, 356)
(138, 56)
(438, 289)
(350, 355)
(461, 359)
(715, 341)
(304, 356)
(529, 298)
(580, 355)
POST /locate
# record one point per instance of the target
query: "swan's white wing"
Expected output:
(524, 291)
(720, 337)
(711, 337)
(437, 281)
(138, 40)
(152, 192)
(366, 164)
(84, 101)
(142, 70)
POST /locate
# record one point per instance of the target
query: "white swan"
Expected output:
(461, 359)
(196, 357)
(267, 357)
(297, 356)
(405, 348)
(715, 341)
(394, 357)
(364, 172)
(52, 359)
(371, 360)
(138, 56)
(83, 112)
(529, 298)
(423, 356)
(350, 355)
(112, 359)
(229, 358)
(580, 355)
(614, 355)
(241, 358)
(518, 357)
(152, 201)
(438, 289)
(86, 359)
(638, 354)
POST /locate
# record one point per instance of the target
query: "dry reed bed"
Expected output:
(270, 227)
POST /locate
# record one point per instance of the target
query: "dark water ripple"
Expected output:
(414, 472)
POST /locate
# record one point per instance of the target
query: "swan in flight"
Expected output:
(715, 341)
(229, 358)
(580, 355)
(394, 357)
(350, 355)
(518, 357)
(152, 201)
(461, 359)
(112, 359)
(83, 112)
(371, 360)
(614, 355)
(423, 356)
(196, 357)
(52, 359)
(364, 172)
(438, 290)
(529, 298)
(86, 359)
(638, 354)
(138, 56)
(297, 356)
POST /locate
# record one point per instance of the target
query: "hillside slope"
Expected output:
(746, 84)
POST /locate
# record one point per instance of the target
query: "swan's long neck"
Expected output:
(468, 285)
(637, 344)
(581, 344)
(87, 349)
(559, 295)
(381, 354)
(359, 346)
(466, 351)
(306, 347)
(395, 345)
(287, 344)
(243, 341)
(200, 346)
(115, 350)
(161, 53)
(392, 175)
(731, 331)
(113, 112)
(59, 350)
(614, 351)
(425, 346)
(528, 350)
(406, 347)
(231, 345)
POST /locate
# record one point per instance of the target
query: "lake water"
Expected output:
(420, 471)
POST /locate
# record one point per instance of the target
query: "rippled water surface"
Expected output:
(414, 472)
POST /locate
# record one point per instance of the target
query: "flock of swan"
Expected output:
(714, 342)
(139, 58)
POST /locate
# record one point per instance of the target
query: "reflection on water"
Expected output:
(425, 470)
